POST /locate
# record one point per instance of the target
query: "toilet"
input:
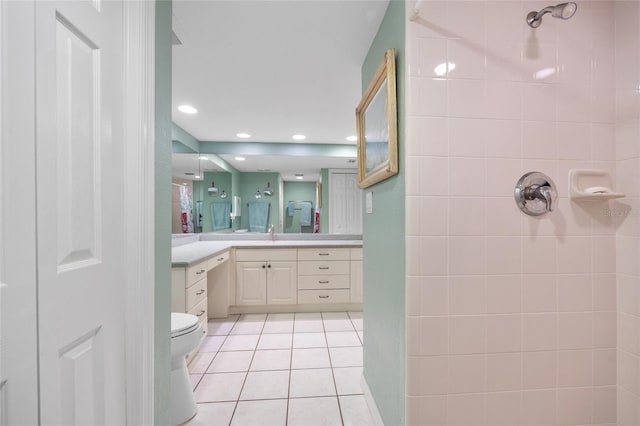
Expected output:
(186, 334)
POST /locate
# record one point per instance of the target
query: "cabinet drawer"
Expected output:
(338, 267)
(356, 254)
(218, 259)
(196, 293)
(323, 296)
(323, 254)
(196, 272)
(316, 282)
(263, 255)
(200, 310)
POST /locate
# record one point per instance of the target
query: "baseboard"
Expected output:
(268, 309)
(371, 403)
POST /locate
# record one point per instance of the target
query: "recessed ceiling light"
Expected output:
(202, 157)
(352, 138)
(187, 109)
(197, 177)
(243, 135)
(240, 158)
(299, 137)
(299, 176)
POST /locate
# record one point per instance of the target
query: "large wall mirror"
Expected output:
(258, 75)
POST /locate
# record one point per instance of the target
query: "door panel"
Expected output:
(251, 279)
(79, 156)
(282, 283)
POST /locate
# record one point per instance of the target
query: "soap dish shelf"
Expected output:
(591, 185)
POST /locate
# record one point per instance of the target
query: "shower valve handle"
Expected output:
(535, 194)
(543, 193)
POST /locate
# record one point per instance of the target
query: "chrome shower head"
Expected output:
(562, 11)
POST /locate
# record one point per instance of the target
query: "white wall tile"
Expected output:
(504, 333)
(467, 334)
(467, 295)
(574, 406)
(504, 372)
(534, 298)
(504, 294)
(539, 407)
(503, 409)
(575, 368)
(539, 370)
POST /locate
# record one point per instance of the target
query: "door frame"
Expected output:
(139, 196)
(18, 261)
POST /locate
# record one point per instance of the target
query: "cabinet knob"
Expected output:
(323, 282)
(202, 312)
(220, 259)
(264, 266)
(200, 272)
(323, 297)
(323, 254)
(200, 292)
(323, 267)
(269, 266)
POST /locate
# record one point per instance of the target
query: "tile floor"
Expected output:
(300, 369)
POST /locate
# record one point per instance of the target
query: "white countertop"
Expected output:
(189, 254)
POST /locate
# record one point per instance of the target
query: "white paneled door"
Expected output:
(79, 146)
(76, 272)
(345, 202)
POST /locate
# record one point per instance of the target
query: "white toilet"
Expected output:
(186, 334)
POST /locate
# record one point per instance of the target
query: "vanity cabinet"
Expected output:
(323, 275)
(190, 287)
(266, 276)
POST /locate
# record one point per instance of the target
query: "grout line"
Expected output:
(333, 376)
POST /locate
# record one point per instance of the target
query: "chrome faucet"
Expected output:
(270, 231)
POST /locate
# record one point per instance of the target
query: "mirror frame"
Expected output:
(386, 72)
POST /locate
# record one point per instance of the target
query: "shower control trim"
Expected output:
(535, 194)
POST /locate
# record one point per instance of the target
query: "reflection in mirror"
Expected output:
(198, 183)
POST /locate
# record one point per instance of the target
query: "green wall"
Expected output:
(384, 248)
(249, 183)
(162, 350)
(297, 191)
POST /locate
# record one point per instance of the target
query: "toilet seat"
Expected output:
(182, 324)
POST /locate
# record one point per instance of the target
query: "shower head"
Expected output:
(562, 11)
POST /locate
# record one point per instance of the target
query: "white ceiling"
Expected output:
(271, 68)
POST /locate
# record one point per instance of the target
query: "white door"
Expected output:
(345, 203)
(282, 286)
(251, 279)
(79, 157)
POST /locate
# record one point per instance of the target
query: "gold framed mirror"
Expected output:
(376, 124)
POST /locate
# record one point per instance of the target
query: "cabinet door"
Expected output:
(282, 283)
(251, 280)
(356, 281)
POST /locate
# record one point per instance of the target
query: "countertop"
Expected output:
(194, 252)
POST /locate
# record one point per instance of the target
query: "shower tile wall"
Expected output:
(628, 210)
(511, 318)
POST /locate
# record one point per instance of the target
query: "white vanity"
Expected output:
(212, 279)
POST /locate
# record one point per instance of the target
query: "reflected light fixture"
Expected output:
(352, 138)
(258, 194)
(203, 158)
(243, 135)
(187, 109)
(240, 158)
(299, 176)
(299, 137)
